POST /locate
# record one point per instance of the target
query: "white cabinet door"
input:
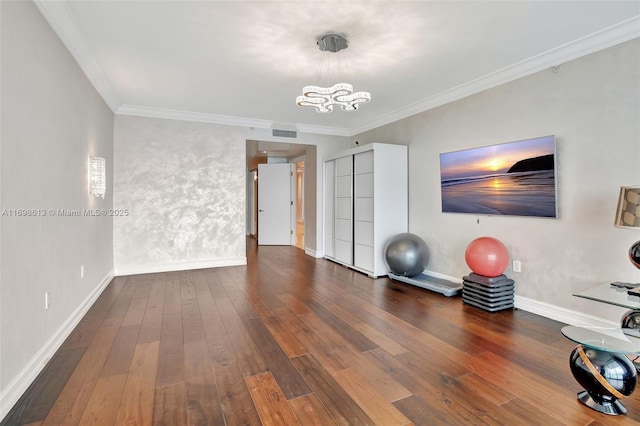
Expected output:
(343, 210)
(364, 210)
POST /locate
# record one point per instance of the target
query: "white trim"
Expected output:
(14, 390)
(561, 314)
(607, 37)
(547, 310)
(62, 22)
(201, 117)
(180, 266)
(312, 253)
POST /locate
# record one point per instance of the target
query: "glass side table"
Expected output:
(599, 362)
(617, 296)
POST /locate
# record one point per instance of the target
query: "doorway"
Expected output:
(299, 187)
(299, 204)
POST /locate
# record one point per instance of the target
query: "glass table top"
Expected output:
(606, 293)
(605, 339)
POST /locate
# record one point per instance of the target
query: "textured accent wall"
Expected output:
(183, 186)
(592, 105)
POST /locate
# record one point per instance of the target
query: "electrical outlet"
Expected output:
(81, 271)
(517, 266)
(46, 300)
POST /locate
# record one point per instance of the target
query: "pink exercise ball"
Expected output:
(487, 256)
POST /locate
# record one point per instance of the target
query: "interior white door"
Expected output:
(274, 204)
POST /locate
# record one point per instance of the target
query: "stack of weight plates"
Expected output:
(489, 293)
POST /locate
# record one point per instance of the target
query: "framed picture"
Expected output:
(515, 178)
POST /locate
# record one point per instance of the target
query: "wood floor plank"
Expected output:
(73, 398)
(237, 405)
(285, 338)
(187, 291)
(39, 398)
(344, 328)
(349, 356)
(433, 395)
(135, 314)
(203, 401)
(383, 341)
(137, 403)
(192, 327)
(171, 358)
(152, 320)
(246, 352)
(311, 412)
(537, 391)
(119, 359)
(269, 400)
(103, 405)
(517, 411)
(170, 405)
(369, 399)
(277, 362)
(337, 401)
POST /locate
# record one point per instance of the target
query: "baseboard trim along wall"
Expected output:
(14, 390)
(564, 315)
(547, 310)
(180, 266)
(312, 253)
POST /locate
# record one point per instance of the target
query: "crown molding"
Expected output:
(64, 25)
(600, 40)
(171, 114)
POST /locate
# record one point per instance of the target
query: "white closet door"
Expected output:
(364, 211)
(343, 210)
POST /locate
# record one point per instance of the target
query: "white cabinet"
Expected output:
(366, 203)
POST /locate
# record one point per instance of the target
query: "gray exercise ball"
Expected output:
(406, 254)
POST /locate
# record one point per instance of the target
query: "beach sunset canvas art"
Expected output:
(514, 178)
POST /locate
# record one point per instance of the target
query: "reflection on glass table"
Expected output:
(618, 295)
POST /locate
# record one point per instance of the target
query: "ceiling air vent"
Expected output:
(284, 133)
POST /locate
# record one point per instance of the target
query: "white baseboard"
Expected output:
(547, 310)
(14, 390)
(561, 314)
(312, 253)
(180, 266)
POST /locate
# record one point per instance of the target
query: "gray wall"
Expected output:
(183, 184)
(52, 121)
(592, 106)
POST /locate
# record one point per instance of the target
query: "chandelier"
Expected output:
(323, 99)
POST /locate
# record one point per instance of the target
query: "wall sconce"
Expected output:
(97, 177)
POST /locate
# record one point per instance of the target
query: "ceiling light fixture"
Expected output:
(323, 99)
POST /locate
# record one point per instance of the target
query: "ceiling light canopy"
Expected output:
(323, 99)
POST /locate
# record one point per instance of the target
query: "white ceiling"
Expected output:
(244, 62)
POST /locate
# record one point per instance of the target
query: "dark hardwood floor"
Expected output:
(289, 340)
